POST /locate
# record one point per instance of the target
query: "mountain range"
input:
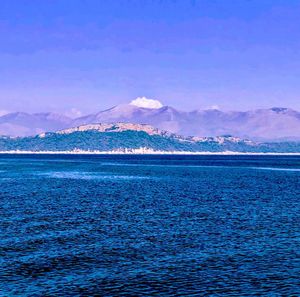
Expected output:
(274, 124)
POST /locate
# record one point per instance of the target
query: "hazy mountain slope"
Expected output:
(266, 124)
(24, 124)
(121, 136)
(166, 118)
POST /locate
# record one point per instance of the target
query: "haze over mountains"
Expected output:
(260, 124)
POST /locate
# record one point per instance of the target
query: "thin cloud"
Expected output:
(73, 113)
(3, 112)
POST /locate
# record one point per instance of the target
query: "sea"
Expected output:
(125, 225)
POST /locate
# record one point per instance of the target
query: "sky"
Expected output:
(82, 56)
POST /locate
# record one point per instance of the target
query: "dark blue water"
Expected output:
(149, 226)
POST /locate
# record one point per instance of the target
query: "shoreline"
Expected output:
(145, 152)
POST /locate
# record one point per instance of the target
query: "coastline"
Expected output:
(143, 152)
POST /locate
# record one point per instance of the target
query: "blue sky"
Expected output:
(86, 55)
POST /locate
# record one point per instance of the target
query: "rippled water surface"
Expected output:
(149, 226)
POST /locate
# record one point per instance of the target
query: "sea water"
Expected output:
(149, 225)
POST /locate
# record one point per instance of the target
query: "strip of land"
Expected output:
(142, 152)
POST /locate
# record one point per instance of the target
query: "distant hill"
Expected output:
(124, 136)
(274, 124)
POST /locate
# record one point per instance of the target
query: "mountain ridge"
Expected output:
(276, 123)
